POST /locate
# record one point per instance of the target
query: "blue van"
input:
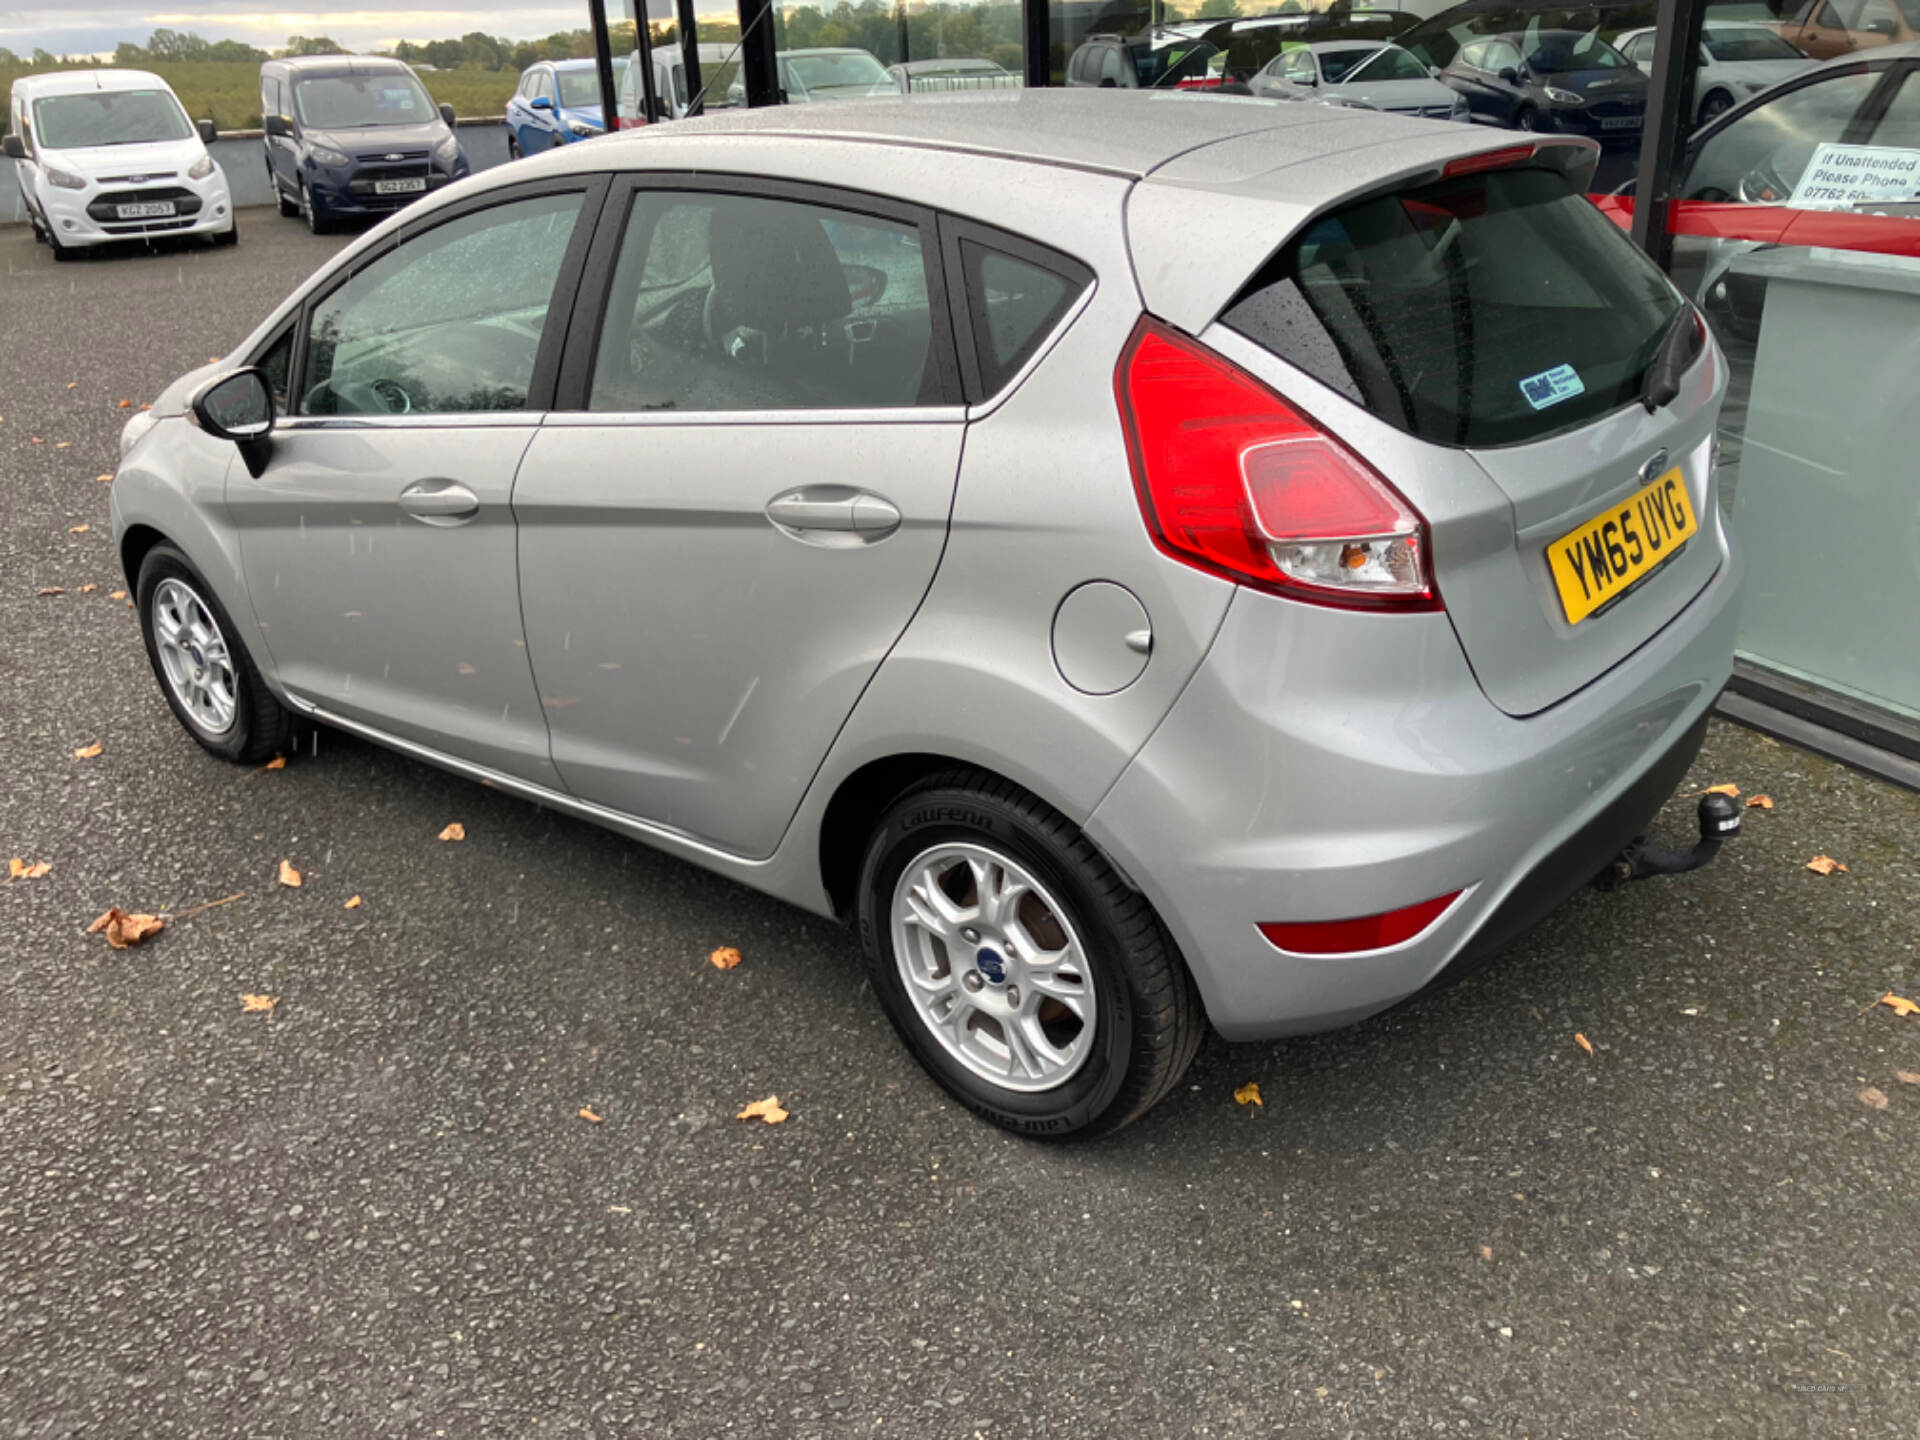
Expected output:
(353, 137)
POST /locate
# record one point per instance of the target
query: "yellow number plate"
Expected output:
(1603, 557)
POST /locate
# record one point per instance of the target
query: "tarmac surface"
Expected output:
(375, 1211)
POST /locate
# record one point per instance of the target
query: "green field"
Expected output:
(228, 91)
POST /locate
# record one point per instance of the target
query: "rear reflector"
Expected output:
(1369, 932)
(1233, 480)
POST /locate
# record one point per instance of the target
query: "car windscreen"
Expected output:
(1564, 52)
(351, 102)
(582, 87)
(1390, 63)
(1437, 40)
(836, 72)
(1484, 310)
(109, 117)
(1748, 43)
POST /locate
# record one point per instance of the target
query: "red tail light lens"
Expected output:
(1234, 481)
(1369, 932)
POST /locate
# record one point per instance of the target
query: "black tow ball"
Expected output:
(1719, 823)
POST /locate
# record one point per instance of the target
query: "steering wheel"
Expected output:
(380, 396)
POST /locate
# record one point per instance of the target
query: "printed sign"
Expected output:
(1840, 176)
(1550, 387)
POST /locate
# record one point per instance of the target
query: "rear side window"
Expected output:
(1013, 302)
(1487, 310)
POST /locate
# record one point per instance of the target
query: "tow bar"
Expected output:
(1719, 823)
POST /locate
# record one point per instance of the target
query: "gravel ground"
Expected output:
(375, 1210)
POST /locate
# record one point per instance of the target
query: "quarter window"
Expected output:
(449, 322)
(739, 302)
(1012, 306)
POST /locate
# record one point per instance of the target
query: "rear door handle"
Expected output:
(834, 508)
(440, 502)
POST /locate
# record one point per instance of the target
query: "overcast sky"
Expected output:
(103, 24)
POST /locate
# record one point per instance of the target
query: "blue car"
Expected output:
(558, 102)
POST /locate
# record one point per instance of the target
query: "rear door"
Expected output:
(743, 511)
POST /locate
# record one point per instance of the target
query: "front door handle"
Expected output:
(835, 507)
(440, 502)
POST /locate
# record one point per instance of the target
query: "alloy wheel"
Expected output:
(194, 657)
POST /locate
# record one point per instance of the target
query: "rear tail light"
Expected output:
(1368, 932)
(1234, 481)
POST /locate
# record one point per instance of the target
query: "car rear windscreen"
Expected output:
(1489, 309)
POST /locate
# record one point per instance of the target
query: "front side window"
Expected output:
(1336, 65)
(110, 117)
(1760, 157)
(738, 302)
(1562, 52)
(1732, 46)
(353, 102)
(448, 322)
(1640, 49)
(1388, 63)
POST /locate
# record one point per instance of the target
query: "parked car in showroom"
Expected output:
(931, 77)
(1832, 29)
(1566, 82)
(825, 72)
(105, 155)
(1382, 77)
(1376, 595)
(1735, 61)
(557, 103)
(353, 137)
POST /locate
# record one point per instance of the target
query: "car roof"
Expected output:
(79, 82)
(574, 64)
(1320, 47)
(341, 64)
(825, 50)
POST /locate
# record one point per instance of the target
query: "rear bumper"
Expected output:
(1324, 765)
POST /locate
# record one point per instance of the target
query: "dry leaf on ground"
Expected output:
(124, 929)
(1899, 1004)
(1728, 789)
(1825, 865)
(18, 869)
(73, 384)
(352, 904)
(455, 831)
(250, 1003)
(146, 407)
(1907, 1077)
(117, 595)
(104, 479)
(768, 1110)
(78, 529)
(87, 589)
(126, 404)
(586, 1114)
(279, 762)
(51, 590)
(87, 752)
(1486, 1252)
(62, 444)
(1249, 1094)
(1875, 1098)
(37, 439)
(289, 876)
(1760, 802)
(1582, 1041)
(725, 958)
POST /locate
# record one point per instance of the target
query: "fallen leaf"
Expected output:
(1733, 790)
(213, 359)
(78, 529)
(73, 384)
(126, 404)
(587, 1115)
(87, 752)
(1582, 1041)
(36, 440)
(725, 958)
(768, 1110)
(455, 831)
(466, 669)
(1899, 1004)
(1249, 1094)
(118, 595)
(1875, 1098)
(1825, 865)
(51, 590)
(87, 589)
(62, 444)
(146, 407)
(1907, 1077)
(1761, 802)
(279, 762)
(18, 869)
(251, 1003)
(1486, 1252)
(353, 904)
(103, 479)
(124, 929)
(289, 876)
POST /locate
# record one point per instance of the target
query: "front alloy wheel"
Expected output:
(195, 663)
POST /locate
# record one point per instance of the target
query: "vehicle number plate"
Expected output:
(1600, 560)
(398, 187)
(1622, 122)
(146, 210)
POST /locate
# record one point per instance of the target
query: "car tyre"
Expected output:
(316, 221)
(1714, 106)
(289, 208)
(224, 239)
(209, 681)
(1129, 1020)
(1528, 119)
(513, 146)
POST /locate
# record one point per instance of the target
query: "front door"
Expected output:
(378, 539)
(721, 544)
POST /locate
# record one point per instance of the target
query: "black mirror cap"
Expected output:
(446, 113)
(1510, 75)
(14, 148)
(277, 126)
(209, 132)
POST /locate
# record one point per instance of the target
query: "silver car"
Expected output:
(1360, 73)
(1163, 563)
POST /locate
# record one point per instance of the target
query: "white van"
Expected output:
(110, 155)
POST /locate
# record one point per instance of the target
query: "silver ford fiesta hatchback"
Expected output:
(1145, 560)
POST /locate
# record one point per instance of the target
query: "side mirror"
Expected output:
(1435, 71)
(208, 131)
(238, 406)
(277, 127)
(539, 102)
(1509, 75)
(446, 113)
(1310, 79)
(14, 147)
